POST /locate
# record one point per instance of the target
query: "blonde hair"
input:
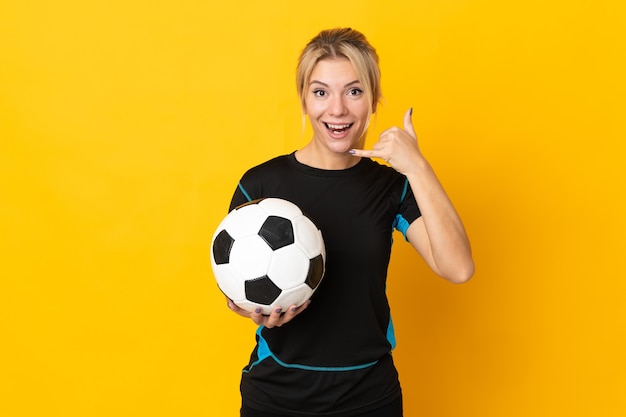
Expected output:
(337, 43)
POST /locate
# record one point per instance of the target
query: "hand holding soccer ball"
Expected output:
(267, 255)
(276, 318)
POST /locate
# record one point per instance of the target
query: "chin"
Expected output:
(341, 147)
(345, 144)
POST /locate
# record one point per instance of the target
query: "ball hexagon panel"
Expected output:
(293, 296)
(244, 221)
(231, 284)
(279, 207)
(250, 257)
(289, 267)
(307, 235)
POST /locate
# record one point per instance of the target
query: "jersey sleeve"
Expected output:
(408, 210)
(250, 186)
(240, 196)
(259, 181)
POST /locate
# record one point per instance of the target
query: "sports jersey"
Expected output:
(334, 358)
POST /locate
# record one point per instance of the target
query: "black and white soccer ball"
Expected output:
(267, 253)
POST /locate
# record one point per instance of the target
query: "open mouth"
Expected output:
(338, 129)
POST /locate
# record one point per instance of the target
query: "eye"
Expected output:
(355, 92)
(319, 93)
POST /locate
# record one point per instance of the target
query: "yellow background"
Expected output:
(124, 126)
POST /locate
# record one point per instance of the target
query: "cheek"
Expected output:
(312, 110)
(362, 111)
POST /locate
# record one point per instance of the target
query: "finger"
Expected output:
(408, 122)
(274, 318)
(295, 310)
(290, 313)
(236, 309)
(365, 153)
(388, 133)
(257, 316)
(231, 305)
(304, 306)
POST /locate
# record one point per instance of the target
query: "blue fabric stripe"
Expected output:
(244, 192)
(404, 190)
(402, 225)
(264, 352)
(391, 334)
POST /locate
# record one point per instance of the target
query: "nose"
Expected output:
(337, 106)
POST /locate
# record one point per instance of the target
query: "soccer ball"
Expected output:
(267, 254)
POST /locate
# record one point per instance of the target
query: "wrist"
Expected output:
(418, 168)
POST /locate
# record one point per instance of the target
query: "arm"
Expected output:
(438, 235)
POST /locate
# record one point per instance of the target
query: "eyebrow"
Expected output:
(326, 85)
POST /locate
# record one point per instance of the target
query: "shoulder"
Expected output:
(270, 167)
(382, 173)
(261, 179)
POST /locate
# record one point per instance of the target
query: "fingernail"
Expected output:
(411, 112)
(351, 151)
(257, 310)
(278, 310)
(294, 308)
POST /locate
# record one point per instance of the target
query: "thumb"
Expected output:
(408, 122)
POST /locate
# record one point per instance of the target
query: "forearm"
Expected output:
(443, 241)
(439, 235)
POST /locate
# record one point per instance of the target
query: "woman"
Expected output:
(331, 356)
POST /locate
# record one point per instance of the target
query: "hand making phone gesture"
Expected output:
(438, 235)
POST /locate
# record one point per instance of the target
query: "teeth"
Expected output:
(338, 127)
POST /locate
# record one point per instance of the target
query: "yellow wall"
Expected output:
(124, 126)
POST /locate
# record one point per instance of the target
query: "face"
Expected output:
(337, 106)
